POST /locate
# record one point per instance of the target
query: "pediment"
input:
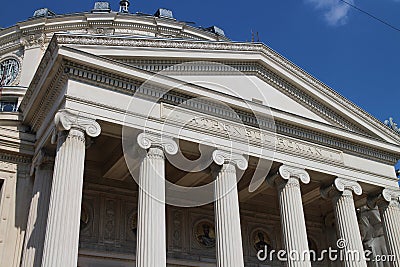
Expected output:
(290, 98)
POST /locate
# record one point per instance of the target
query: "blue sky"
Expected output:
(352, 53)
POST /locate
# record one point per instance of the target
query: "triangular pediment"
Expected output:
(289, 97)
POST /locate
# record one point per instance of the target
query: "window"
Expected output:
(8, 105)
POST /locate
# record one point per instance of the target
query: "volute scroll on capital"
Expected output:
(388, 196)
(221, 157)
(391, 194)
(340, 185)
(287, 171)
(146, 140)
(66, 120)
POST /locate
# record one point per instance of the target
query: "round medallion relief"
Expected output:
(204, 233)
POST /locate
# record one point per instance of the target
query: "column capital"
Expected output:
(387, 196)
(146, 140)
(287, 172)
(221, 157)
(341, 185)
(66, 120)
(41, 158)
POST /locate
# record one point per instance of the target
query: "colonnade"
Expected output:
(56, 237)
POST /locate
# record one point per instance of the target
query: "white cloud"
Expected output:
(335, 11)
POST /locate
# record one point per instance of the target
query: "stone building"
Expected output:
(139, 139)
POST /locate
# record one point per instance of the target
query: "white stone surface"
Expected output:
(37, 220)
(388, 203)
(346, 219)
(293, 223)
(63, 223)
(227, 215)
(151, 227)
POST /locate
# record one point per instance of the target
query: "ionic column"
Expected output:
(151, 245)
(292, 213)
(227, 216)
(62, 231)
(341, 193)
(388, 205)
(42, 168)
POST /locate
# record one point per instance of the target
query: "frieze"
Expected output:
(176, 67)
(268, 52)
(129, 87)
(242, 133)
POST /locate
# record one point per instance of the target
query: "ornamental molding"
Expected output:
(206, 123)
(221, 157)
(38, 32)
(341, 187)
(231, 46)
(391, 194)
(342, 184)
(69, 70)
(66, 120)
(10, 163)
(286, 172)
(388, 196)
(146, 140)
(250, 68)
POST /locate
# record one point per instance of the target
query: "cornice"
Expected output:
(72, 70)
(15, 158)
(251, 68)
(39, 31)
(231, 46)
(121, 84)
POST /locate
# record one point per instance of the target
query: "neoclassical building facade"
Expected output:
(139, 140)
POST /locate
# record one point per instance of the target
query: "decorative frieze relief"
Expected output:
(242, 47)
(199, 68)
(174, 98)
(240, 133)
(129, 86)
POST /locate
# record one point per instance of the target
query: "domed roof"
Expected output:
(103, 21)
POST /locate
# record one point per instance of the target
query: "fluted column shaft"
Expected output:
(151, 225)
(37, 220)
(389, 209)
(341, 194)
(151, 238)
(227, 218)
(292, 214)
(62, 233)
(63, 223)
